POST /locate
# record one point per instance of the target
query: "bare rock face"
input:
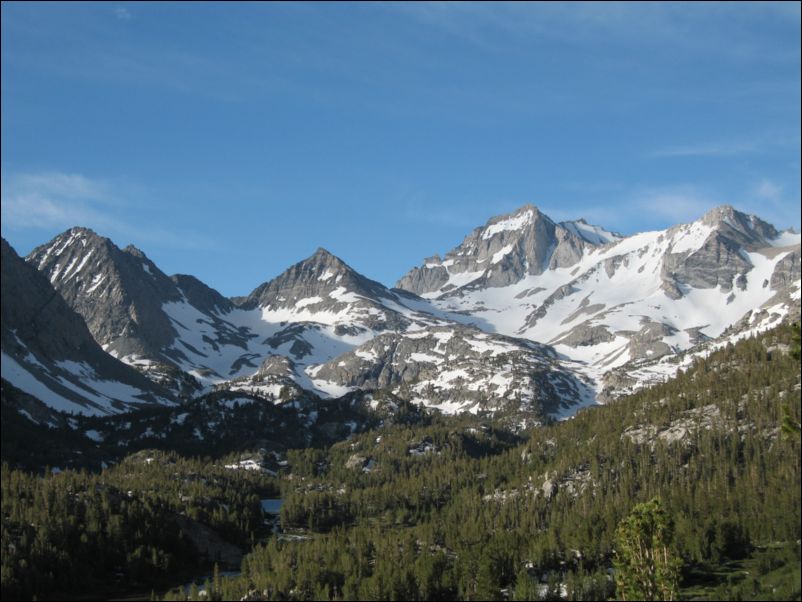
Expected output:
(324, 283)
(747, 231)
(648, 341)
(458, 367)
(720, 261)
(787, 271)
(614, 383)
(34, 312)
(505, 250)
(119, 293)
(355, 462)
(123, 298)
(50, 342)
(541, 312)
(275, 365)
(783, 280)
(201, 296)
(320, 273)
(585, 335)
(431, 277)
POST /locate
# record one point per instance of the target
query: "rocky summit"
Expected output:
(507, 249)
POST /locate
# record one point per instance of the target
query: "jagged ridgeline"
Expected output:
(527, 314)
(451, 507)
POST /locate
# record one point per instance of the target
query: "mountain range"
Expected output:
(526, 314)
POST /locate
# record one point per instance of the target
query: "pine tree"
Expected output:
(796, 343)
(791, 427)
(645, 565)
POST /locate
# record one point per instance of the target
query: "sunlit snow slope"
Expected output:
(620, 300)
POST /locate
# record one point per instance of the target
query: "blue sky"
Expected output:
(229, 141)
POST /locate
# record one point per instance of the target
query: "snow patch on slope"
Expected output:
(516, 222)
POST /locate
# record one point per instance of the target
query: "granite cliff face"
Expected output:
(719, 261)
(505, 250)
(119, 292)
(48, 347)
(201, 296)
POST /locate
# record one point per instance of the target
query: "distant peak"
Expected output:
(324, 261)
(518, 220)
(727, 218)
(528, 208)
(136, 252)
(78, 233)
(595, 235)
(319, 272)
(523, 215)
(74, 235)
(324, 254)
(719, 214)
(727, 214)
(81, 231)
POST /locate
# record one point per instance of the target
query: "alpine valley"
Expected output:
(462, 396)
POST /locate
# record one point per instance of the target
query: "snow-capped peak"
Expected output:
(726, 218)
(505, 250)
(516, 220)
(595, 235)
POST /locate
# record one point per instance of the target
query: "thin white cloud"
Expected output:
(30, 210)
(122, 13)
(63, 185)
(759, 143)
(772, 202)
(58, 201)
(676, 205)
(709, 28)
(682, 204)
(632, 210)
(714, 149)
(768, 190)
(48, 200)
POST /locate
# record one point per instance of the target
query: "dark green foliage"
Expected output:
(796, 343)
(463, 508)
(213, 425)
(790, 426)
(31, 446)
(646, 566)
(770, 573)
(76, 532)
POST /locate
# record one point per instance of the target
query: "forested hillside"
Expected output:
(455, 507)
